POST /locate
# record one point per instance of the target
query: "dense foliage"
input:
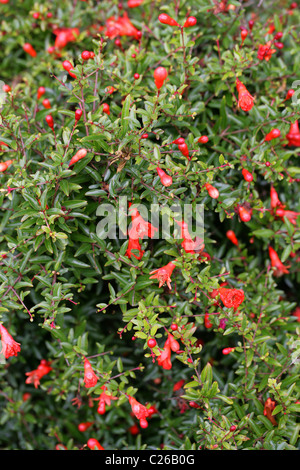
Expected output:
(78, 307)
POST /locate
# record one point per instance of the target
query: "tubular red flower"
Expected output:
(190, 21)
(273, 134)
(134, 3)
(104, 399)
(268, 410)
(64, 36)
(160, 74)
(41, 91)
(188, 244)
(163, 274)
(232, 237)
(166, 19)
(134, 244)
(173, 343)
(9, 346)
(226, 351)
(290, 215)
(5, 165)
(247, 175)
(35, 376)
(90, 378)
(212, 191)
(81, 153)
(280, 269)
(245, 214)
(164, 359)
(140, 411)
(139, 227)
(121, 26)
(178, 385)
(293, 136)
(275, 202)
(92, 443)
(165, 179)
(245, 100)
(28, 48)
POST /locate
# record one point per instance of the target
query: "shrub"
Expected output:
(114, 334)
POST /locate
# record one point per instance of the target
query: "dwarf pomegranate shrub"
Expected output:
(123, 324)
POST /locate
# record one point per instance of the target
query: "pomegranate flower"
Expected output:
(9, 346)
(268, 410)
(231, 297)
(104, 399)
(140, 411)
(290, 215)
(293, 135)
(35, 375)
(90, 378)
(245, 101)
(134, 244)
(232, 237)
(187, 244)
(265, 51)
(280, 269)
(120, 26)
(164, 359)
(64, 36)
(275, 202)
(163, 274)
(140, 228)
(173, 343)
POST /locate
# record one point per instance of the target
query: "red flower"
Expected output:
(293, 135)
(245, 101)
(232, 237)
(265, 51)
(280, 269)
(134, 3)
(163, 274)
(9, 346)
(134, 244)
(90, 378)
(178, 385)
(188, 244)
(268, 409)
(165, 179)
(121, 26)
(140, 227)
(35, 376)
(140, 411)
(164, 359)
(160, 74)
(231, 297)
(274, 198)
(64, 36)
(291, 215)
(244, 213)
(166, 19)
(104, 399)
(173, 343)
(212, 191)
(92, 443)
